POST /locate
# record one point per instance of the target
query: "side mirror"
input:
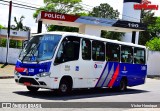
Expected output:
(24, 43)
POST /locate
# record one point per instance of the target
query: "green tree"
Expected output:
(19, 25)
(106, 11)
(1, 27)
(112, 35)
(62, 28)
(61, 6)
(13, 43)
(154, 29)
(154, 44)
(2, 41)
(147, 17)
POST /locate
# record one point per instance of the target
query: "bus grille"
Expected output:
(30, 80)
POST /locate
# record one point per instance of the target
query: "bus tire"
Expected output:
(123, 85)
(32, 89)
(64, 87)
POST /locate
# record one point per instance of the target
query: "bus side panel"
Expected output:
(138, 74)
(108, 75)
(81, 73)
(135, 74)
(75, 70)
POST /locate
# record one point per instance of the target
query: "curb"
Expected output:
(6, 77)
(152, 76)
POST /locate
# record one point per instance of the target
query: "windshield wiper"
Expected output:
(32, 49)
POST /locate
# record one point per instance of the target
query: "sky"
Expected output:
(29, 21)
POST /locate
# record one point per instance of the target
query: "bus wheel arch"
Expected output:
(123, 84)
(66, 84)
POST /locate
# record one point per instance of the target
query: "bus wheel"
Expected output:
(64, 87)
(123, 85)
(32, 89)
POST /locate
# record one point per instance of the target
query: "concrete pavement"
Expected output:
(7, 71)
(148, 92)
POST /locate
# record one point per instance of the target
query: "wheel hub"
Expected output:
(63, 88)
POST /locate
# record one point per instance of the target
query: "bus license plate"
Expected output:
(27, 83)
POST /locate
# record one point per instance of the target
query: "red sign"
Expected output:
(58, 16)
(146, 5)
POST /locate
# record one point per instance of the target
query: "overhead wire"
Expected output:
(28, 3)
(20, 5)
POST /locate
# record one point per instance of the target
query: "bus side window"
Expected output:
(86, 49)
(98, 51)
(126, 54)
(68, 50)
(139, 55)
(112, 52)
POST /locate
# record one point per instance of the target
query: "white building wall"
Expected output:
(15, 33)
(90, 30)
(153, 63)
(130, 14)
(12, 55)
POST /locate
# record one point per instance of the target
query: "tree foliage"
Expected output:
(12, 43)
(112, 35)
(19, 25)
(106, 11)
(153, 27)
(1, 27)
(154, 44)
(61, 6)
(62, 28)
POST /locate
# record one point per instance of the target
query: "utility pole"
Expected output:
(8, 33)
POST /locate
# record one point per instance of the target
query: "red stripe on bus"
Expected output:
(114, 77)
(19, 69)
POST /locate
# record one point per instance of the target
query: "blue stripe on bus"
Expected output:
(34, 69)
(101, 74)
(107, 74)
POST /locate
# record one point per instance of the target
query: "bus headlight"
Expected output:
(16, 73)
(44, 74)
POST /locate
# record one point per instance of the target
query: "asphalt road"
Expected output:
(149, 92)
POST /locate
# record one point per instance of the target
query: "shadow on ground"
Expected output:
(77, 94)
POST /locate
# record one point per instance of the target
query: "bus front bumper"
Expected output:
(42, 82)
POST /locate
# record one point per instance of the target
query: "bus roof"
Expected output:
(91, 37)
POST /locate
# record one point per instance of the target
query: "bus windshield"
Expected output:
(40, 48)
